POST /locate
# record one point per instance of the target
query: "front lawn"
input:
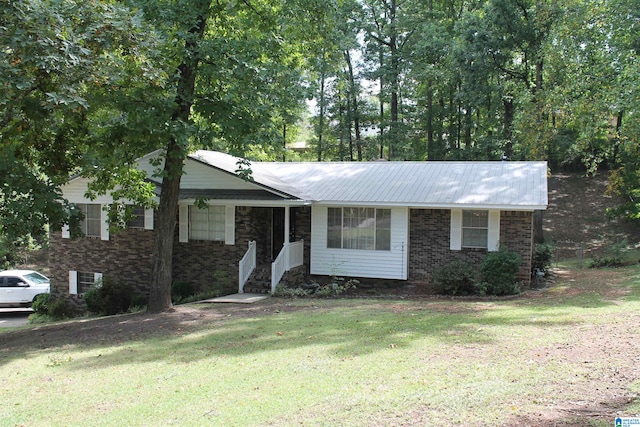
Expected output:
(566, 355)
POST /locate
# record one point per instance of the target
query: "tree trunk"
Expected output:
(507, 126)
(164, 229)
(381, 99)
(355, 113)
(162, 268)
(538, 232)
(430, 143)
(321, 118)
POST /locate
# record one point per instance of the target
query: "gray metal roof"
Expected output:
(507, 185)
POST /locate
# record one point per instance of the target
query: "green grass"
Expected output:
(324, 363)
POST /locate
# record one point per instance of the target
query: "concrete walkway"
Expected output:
(238, 298)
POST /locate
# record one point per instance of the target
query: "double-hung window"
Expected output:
(207, 223)
(91, 223)
(137, 217)
(359, 228)
(85, 281)
(475, 229)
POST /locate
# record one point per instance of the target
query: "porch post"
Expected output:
(287, 224)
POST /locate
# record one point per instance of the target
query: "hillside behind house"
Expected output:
(577, 215)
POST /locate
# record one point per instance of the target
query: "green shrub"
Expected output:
(614, 255)
(108, 297)
(47, 309)
(458, 277)
(287, 292)
(61, 308)
(41, 304)
(337, 286)
(499, 270)
(181, 290)
(39, 318)
(542, 257)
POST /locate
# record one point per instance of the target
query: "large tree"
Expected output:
(66, 70)
(100, 83)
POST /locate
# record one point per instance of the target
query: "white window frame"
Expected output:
(457, 230)
(207, 223)
(225, 234)
(74, 281)
(470, 224)
(86, 220)
(375, 228)
(138, 219)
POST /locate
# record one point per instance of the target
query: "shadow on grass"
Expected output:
(341, 328)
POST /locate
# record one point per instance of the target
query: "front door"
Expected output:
(277, 232)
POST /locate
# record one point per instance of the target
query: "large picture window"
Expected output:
(359, 228)
(91, 223)
(207, 223)
(475, 229)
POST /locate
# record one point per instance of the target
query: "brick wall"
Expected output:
(516, 234)
(126, 257)
(430, 242)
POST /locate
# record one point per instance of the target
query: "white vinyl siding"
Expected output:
(385, 264)
(478, 229)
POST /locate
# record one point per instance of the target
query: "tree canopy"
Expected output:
(89, 86)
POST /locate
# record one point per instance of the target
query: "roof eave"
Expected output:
(503, 207)
(259, 184)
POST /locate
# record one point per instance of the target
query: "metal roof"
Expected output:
(499, 184)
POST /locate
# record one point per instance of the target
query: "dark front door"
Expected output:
(277, 232)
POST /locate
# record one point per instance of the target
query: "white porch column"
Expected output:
(287, 224)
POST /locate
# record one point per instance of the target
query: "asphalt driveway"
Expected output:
(13, 317)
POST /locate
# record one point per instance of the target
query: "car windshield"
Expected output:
(36, 278)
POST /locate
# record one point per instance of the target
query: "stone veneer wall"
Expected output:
(430, 240)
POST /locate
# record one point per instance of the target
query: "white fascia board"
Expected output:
(256, 203)
(526, 208)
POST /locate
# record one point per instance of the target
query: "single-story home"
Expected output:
(393, 223)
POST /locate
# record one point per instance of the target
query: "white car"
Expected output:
(20, 287)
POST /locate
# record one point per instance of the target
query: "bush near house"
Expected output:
(46, 309)
(499, 270)
(542, 257)
(108, 297)
(458, 277)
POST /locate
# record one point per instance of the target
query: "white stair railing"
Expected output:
(246, 266)
(279, 267)
(291, 255)
(296, 254)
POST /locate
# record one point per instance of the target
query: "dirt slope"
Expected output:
(577, 213)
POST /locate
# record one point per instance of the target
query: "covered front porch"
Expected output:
(281, 252)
